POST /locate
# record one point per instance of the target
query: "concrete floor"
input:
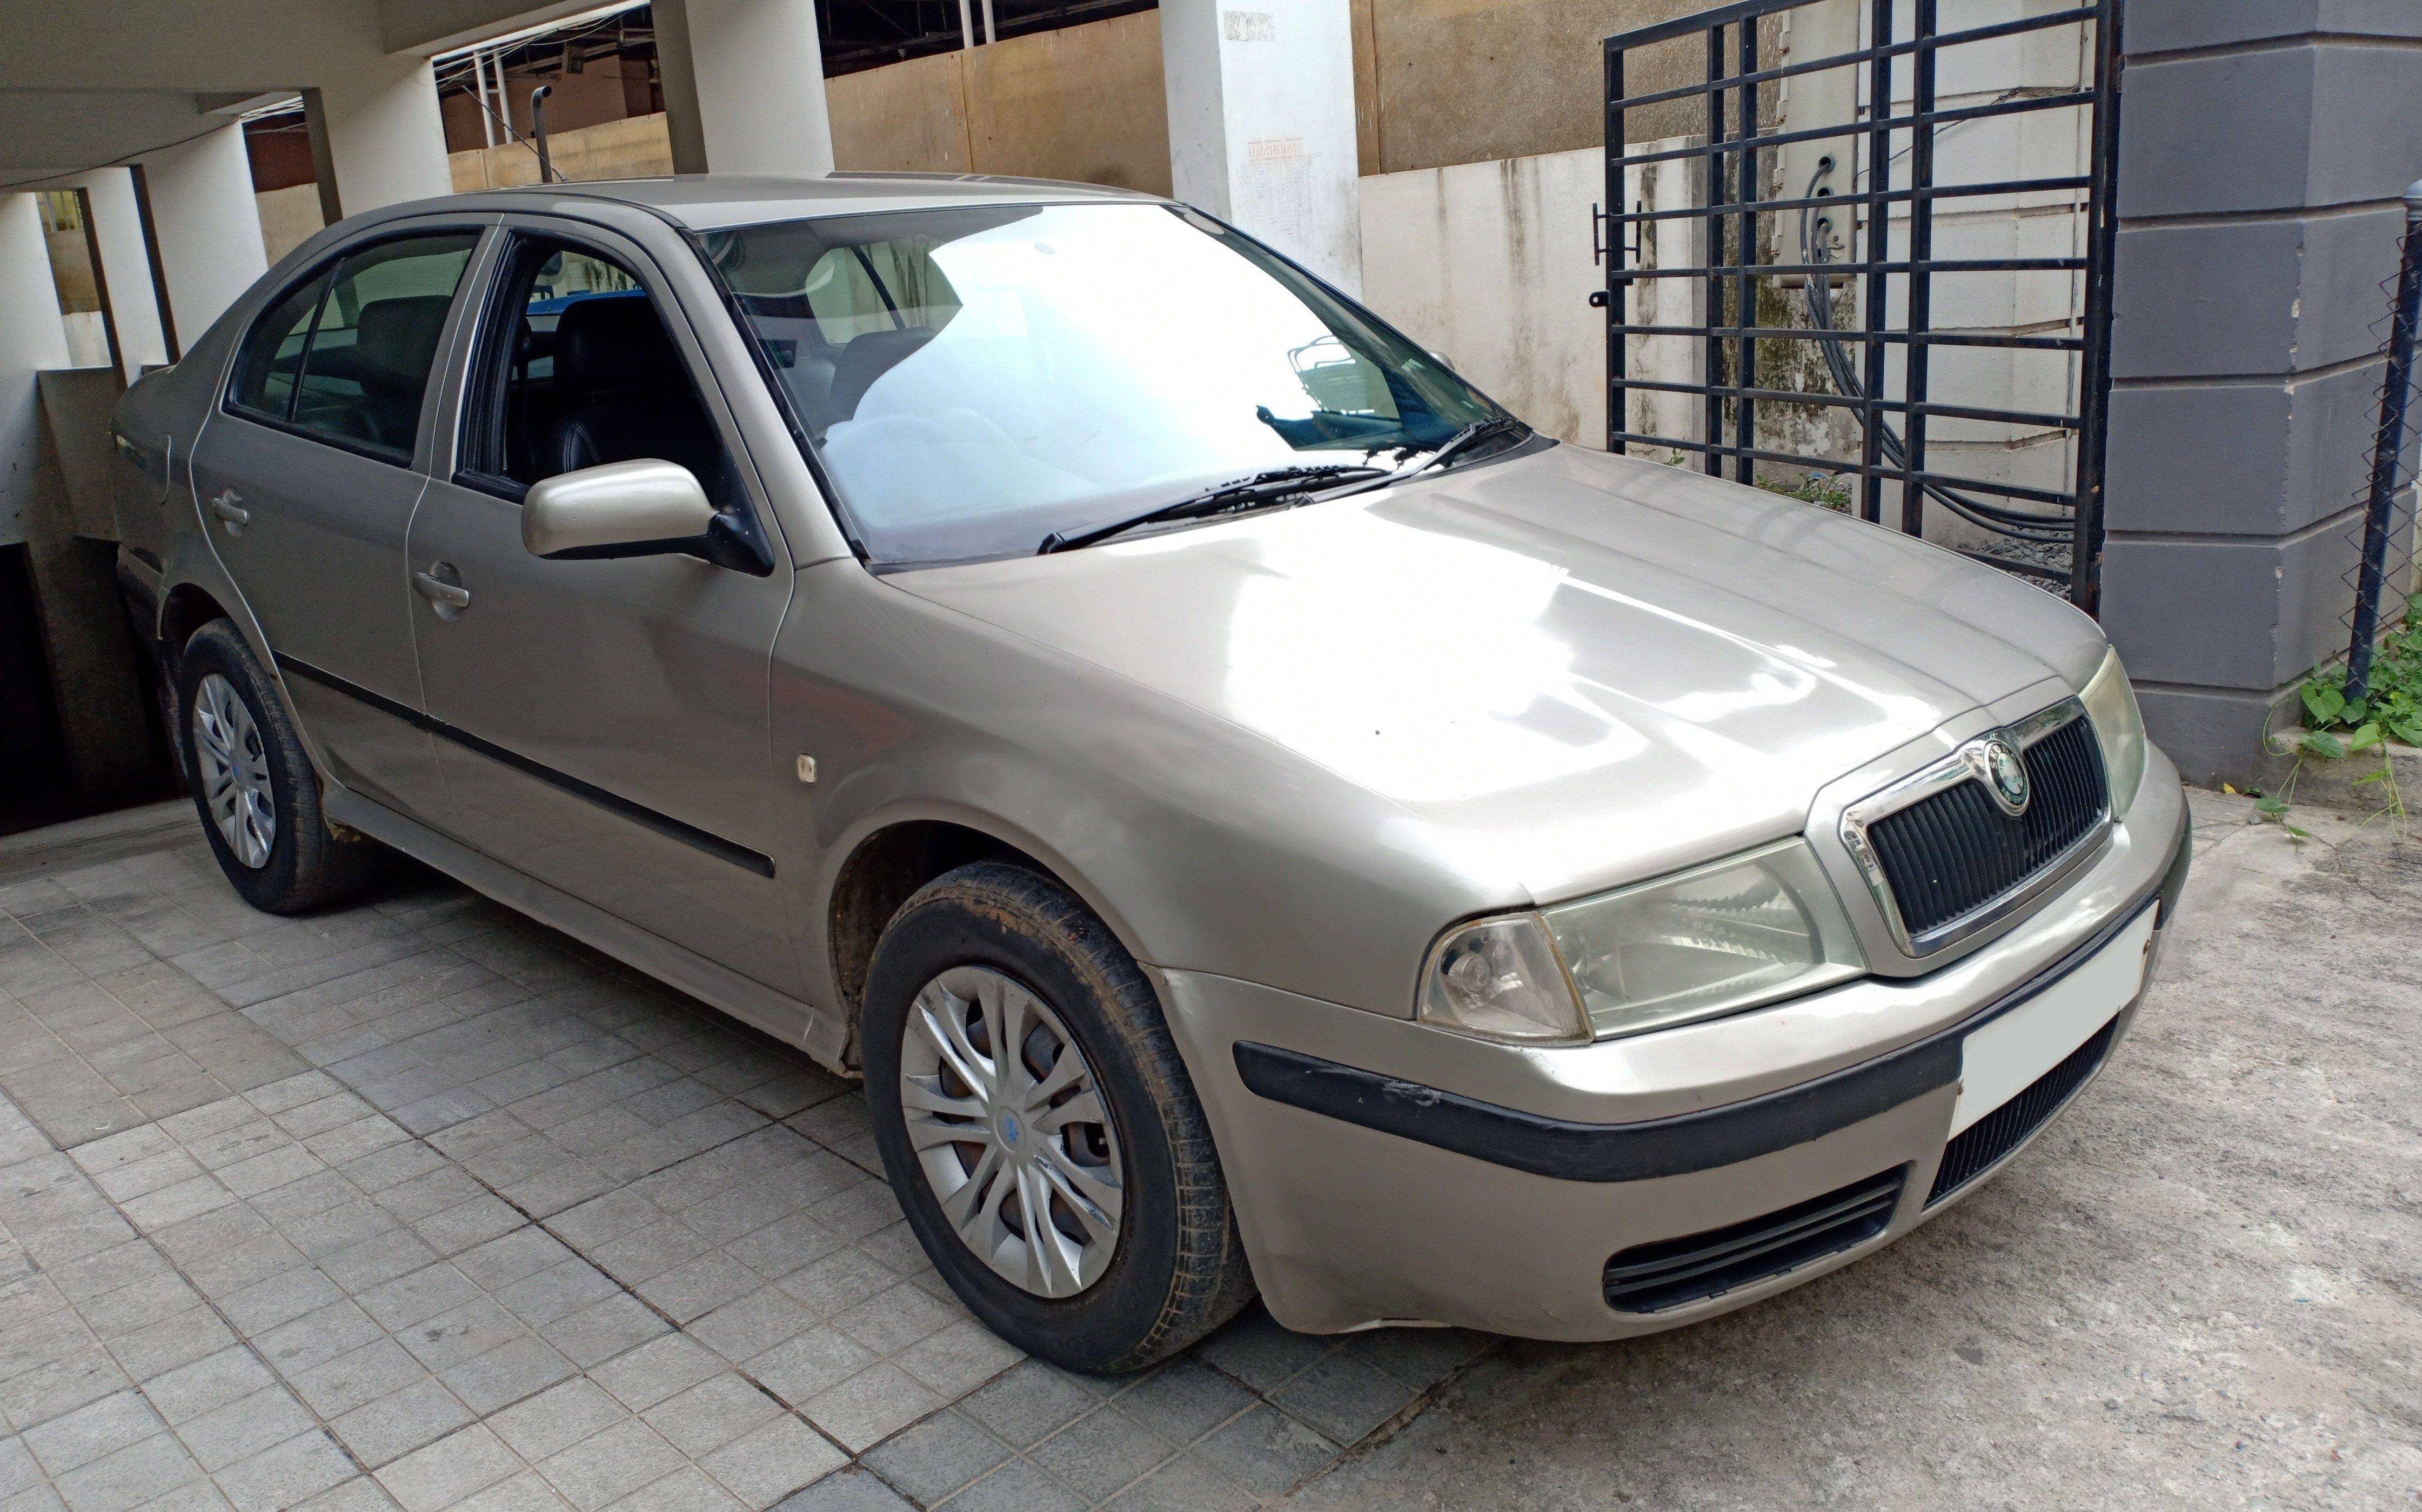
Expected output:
(419, 1205)
(2202, 1287)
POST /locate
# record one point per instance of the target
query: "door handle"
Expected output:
(226, 507)
(438, 590)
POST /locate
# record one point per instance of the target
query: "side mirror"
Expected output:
(622, 508)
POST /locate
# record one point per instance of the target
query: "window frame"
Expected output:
(324, 267)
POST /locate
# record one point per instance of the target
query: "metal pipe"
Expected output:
(967, 27)
(990, 35)
(546, 173)
(2388, 450)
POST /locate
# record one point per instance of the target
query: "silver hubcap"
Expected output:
(1011, 1131)
(234, 771)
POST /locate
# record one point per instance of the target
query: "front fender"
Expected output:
(1205, 847)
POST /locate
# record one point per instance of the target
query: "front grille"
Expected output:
(1956, 851)
(1650, 1278)
(1983, 1143)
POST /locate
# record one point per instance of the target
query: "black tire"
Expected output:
(1178, 1270)
(309, 865)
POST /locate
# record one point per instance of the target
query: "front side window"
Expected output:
(978, 379)
(347, 355)
(577, 369)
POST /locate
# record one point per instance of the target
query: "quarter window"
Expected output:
(348, 354)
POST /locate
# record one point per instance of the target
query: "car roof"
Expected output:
(705, 201)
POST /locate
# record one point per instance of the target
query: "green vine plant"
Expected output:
(1824, 489)
(2337, 726)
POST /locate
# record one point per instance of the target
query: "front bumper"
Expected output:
(1386, 1171)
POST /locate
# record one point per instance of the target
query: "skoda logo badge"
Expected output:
(2007, 775)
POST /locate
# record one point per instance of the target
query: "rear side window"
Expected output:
(355, 366)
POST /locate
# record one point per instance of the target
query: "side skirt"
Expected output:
(789, 1019)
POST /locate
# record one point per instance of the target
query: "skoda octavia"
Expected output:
(1257, 816)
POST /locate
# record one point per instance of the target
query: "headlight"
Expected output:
(2110, 704)
(1708, 941)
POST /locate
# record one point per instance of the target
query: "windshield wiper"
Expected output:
(1462, 441)
(1242, 493)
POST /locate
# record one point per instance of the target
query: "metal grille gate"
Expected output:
(2052, 534)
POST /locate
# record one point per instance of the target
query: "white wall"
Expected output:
(1490, 264)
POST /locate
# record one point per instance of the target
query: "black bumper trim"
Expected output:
(1655, 1147)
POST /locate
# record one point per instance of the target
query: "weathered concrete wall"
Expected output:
(2253, 245)
(288, 217)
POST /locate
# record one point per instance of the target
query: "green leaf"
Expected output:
(2299, 834)
(2364, 738)
(2272, 806)
(2324, 702)
(2324, 745)
(2354, 712)
(2407, 730)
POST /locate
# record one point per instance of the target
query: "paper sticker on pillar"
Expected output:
(1247, 27)
(1276, 149)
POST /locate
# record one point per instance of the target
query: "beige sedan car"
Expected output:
(1257, 815)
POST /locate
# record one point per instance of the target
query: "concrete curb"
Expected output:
(2326, 783)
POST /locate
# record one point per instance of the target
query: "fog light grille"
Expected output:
(1983, 1143)
(1650, 1278)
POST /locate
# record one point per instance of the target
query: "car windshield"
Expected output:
(978, 379)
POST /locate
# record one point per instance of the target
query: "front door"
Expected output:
(306, 487)
(604, 722)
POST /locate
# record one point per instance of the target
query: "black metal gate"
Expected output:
(2054, 534)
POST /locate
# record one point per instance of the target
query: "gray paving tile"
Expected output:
(936, 1457)
(1017, 1487)
(1186, 1484)
(610, 1465)
(1030, 1402)
(1101, 1453)
(444, 1472)
(556, 1419)
(773, 1460)
(1258, 1352)
(130, 1476)
(84, 1435)
(810, 1365)
(1184, 1399)
(656, 1371)
(243, 1428)
(1342, 1397)
(229, 1375)
(520, 1367)
(357, 1379)
(1266, 1450)
(848, 1491)
(870, 1407)
(290, 1474)
(402, 1420)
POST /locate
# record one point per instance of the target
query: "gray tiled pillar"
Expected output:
(2264, 147)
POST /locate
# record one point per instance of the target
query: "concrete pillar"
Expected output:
(377, 137)
(1261, 124)
(2246, 333)
(208, 227)
(744, 84)
(32, 337)
(85, 640)
(125, 268)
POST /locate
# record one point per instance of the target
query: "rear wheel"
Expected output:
(253, 786)
(1040, 1129)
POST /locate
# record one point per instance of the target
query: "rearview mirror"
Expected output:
(622, 508)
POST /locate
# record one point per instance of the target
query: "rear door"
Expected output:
(307, 483)
(603, 724)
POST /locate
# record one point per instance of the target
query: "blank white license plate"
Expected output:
(2006, 1056)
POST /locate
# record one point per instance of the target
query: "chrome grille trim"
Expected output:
(1967, 764)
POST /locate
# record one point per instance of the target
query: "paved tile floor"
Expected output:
(418, 1204)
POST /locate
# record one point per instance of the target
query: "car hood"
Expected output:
(1582, 669)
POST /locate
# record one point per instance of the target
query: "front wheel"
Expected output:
(1040, 1129)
